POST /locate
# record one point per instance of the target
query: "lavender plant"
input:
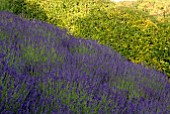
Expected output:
(45, 70)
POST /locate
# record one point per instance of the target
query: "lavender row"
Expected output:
(45, 70)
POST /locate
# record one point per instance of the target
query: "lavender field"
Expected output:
(44, 70)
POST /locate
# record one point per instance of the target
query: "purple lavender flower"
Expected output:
(45, 70)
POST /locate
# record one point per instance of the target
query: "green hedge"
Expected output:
(21, 7)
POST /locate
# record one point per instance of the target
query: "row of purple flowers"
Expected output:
(43, 69)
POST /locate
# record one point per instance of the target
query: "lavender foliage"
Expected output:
(45, 70)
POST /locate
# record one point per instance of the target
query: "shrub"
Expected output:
(20, 7)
